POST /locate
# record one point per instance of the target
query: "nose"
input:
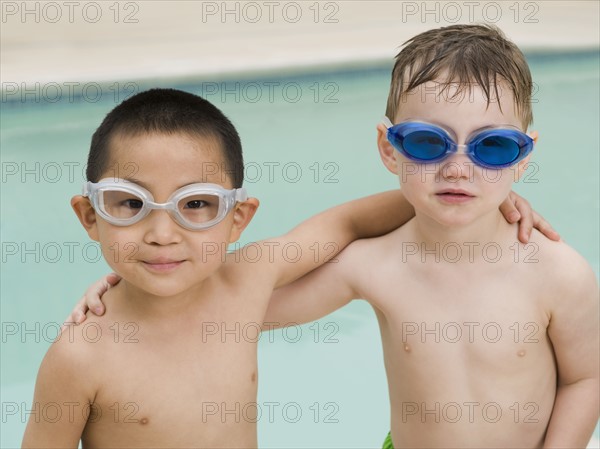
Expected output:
(457, 165)
(161, 229)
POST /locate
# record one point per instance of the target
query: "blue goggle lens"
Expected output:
(497, 150)
(424, 145)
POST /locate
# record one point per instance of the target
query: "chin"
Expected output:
(157, 286)
(453, 219)
(166, 290)
(454, 223)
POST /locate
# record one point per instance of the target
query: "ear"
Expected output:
(86, 214)
(534, 135)
(386, 150)
(242, 215)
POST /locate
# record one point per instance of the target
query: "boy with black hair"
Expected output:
(145, 375)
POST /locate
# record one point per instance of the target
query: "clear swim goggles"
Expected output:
(425, 143)
(195, 206)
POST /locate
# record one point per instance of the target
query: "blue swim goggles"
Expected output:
(425, 143)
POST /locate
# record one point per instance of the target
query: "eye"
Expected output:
(429, 139)
(195, 204)
(426, 139)
(133, 203)
(494, 142)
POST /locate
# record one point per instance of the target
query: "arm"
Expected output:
(573, 331)
(321, 237)
(319, 293)
(60, 400)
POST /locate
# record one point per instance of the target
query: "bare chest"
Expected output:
(493, 320)
(185, 389)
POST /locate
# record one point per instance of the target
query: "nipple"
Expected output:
(407, 348)
(144, 421)
(521, 353)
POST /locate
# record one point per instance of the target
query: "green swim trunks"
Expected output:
(387, 444)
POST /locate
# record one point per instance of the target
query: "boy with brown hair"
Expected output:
(487, 342)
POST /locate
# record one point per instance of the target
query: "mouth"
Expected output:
(454, 195)
(454, 192)
(161, 264)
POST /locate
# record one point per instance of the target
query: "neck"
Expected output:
(461, 243)
(144, 305)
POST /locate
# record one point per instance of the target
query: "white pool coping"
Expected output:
(70, 42)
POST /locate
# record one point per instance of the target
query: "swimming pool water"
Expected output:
(309, 143)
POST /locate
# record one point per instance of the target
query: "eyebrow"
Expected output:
(135, 181)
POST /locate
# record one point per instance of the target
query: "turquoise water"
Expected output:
(309, 143)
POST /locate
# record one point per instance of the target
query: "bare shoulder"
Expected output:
(67, 381)
(363, 262)
(562, 269)
(98, 339)
(570, 292)
(559, 257)
(70, 343)
(247, 266)
(67, 369)
(246, 278)
(360, 255)
(373, 248)
(78, 346)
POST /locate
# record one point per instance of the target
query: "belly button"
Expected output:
(521, 353)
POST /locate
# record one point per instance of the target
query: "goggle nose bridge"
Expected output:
(459, 149)
(160, 206)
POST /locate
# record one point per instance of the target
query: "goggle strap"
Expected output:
(387, 122)
(85, 190)
(241, 195)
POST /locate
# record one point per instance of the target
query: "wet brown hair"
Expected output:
(461, 55)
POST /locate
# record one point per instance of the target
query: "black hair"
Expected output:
(166, 111)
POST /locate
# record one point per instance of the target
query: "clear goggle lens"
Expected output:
(194, 208)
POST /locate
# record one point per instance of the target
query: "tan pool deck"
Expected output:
(103, 41)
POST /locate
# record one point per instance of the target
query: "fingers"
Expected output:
(77, 315)
(529, 218)
(544, 227)
(112, 279)
(508, 209)
(96, 290)
(91, 300)
(526, 222)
